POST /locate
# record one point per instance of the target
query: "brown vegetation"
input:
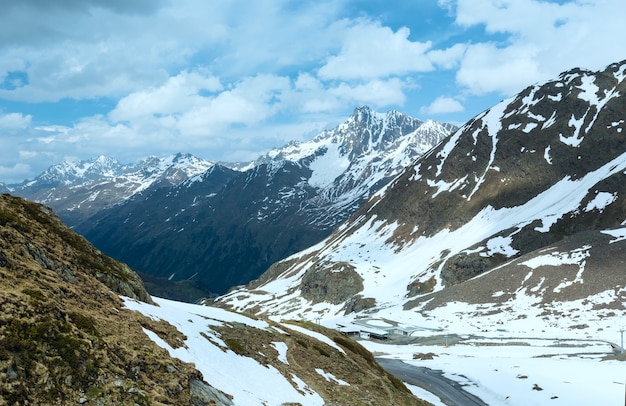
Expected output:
(64, 334)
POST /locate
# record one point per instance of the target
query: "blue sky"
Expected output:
(226, 80)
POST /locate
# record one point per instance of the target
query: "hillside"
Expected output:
(68, 337)
(519, 213)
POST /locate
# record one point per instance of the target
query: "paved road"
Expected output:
(450, 392)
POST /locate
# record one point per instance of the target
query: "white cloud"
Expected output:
(486, 68)
(14, 121)
(180, 107)
(178, 94)
(15, 173)
(443, 104)
(91, 50)
(375, 93)
(371, 51)
(561, 36)
(448, 58)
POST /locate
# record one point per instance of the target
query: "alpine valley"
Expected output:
(493, 254)
(219, 225)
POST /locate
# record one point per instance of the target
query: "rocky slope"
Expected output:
(520, 208)
(67, 337)
(224, 228)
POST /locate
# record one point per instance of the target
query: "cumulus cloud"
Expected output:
(179, 93)
(443, 104)
(520, 53)
(14, 121)
(370, 50)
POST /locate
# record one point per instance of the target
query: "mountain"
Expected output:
(225, 227)
(518, 214)
(68, 337)
(77, 190)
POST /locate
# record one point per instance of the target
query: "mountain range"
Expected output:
(518, 214)
(221, 225)
(508, 235)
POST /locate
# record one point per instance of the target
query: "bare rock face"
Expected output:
(462, 267)
(333, 285)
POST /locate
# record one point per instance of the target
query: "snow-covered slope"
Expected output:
(488, 219)
(258, 362)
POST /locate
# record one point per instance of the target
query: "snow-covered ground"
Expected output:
(517, 364)
(519, 374)
(247, 380)
(502, 367)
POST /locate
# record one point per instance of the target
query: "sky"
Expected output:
(227, 80)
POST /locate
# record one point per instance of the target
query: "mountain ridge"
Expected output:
(532, 171)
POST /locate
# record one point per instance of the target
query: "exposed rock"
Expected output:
(333, 285)
(203, 394)
(358, 303)
(418, 287)
(462, 267)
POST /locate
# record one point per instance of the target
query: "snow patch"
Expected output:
(328, 167)
(330, 377)
(501, 245)
(575, 257)
(601, 201)
(281, 347)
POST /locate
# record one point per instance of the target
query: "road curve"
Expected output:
(450, 392)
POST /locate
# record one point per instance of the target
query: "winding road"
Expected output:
(450, 392)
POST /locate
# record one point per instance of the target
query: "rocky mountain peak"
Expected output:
(367, 131)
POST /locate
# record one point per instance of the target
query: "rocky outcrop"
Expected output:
(333, 285)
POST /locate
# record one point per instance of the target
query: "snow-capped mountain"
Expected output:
(70, 173)
(225, 227)
(518, 214)
(350, 162)
(77, 190)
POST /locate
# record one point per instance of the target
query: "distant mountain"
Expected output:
(77, 190)
(224, 227)
(520, 213)
(68, 337)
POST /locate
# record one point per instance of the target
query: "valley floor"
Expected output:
(505, 370)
